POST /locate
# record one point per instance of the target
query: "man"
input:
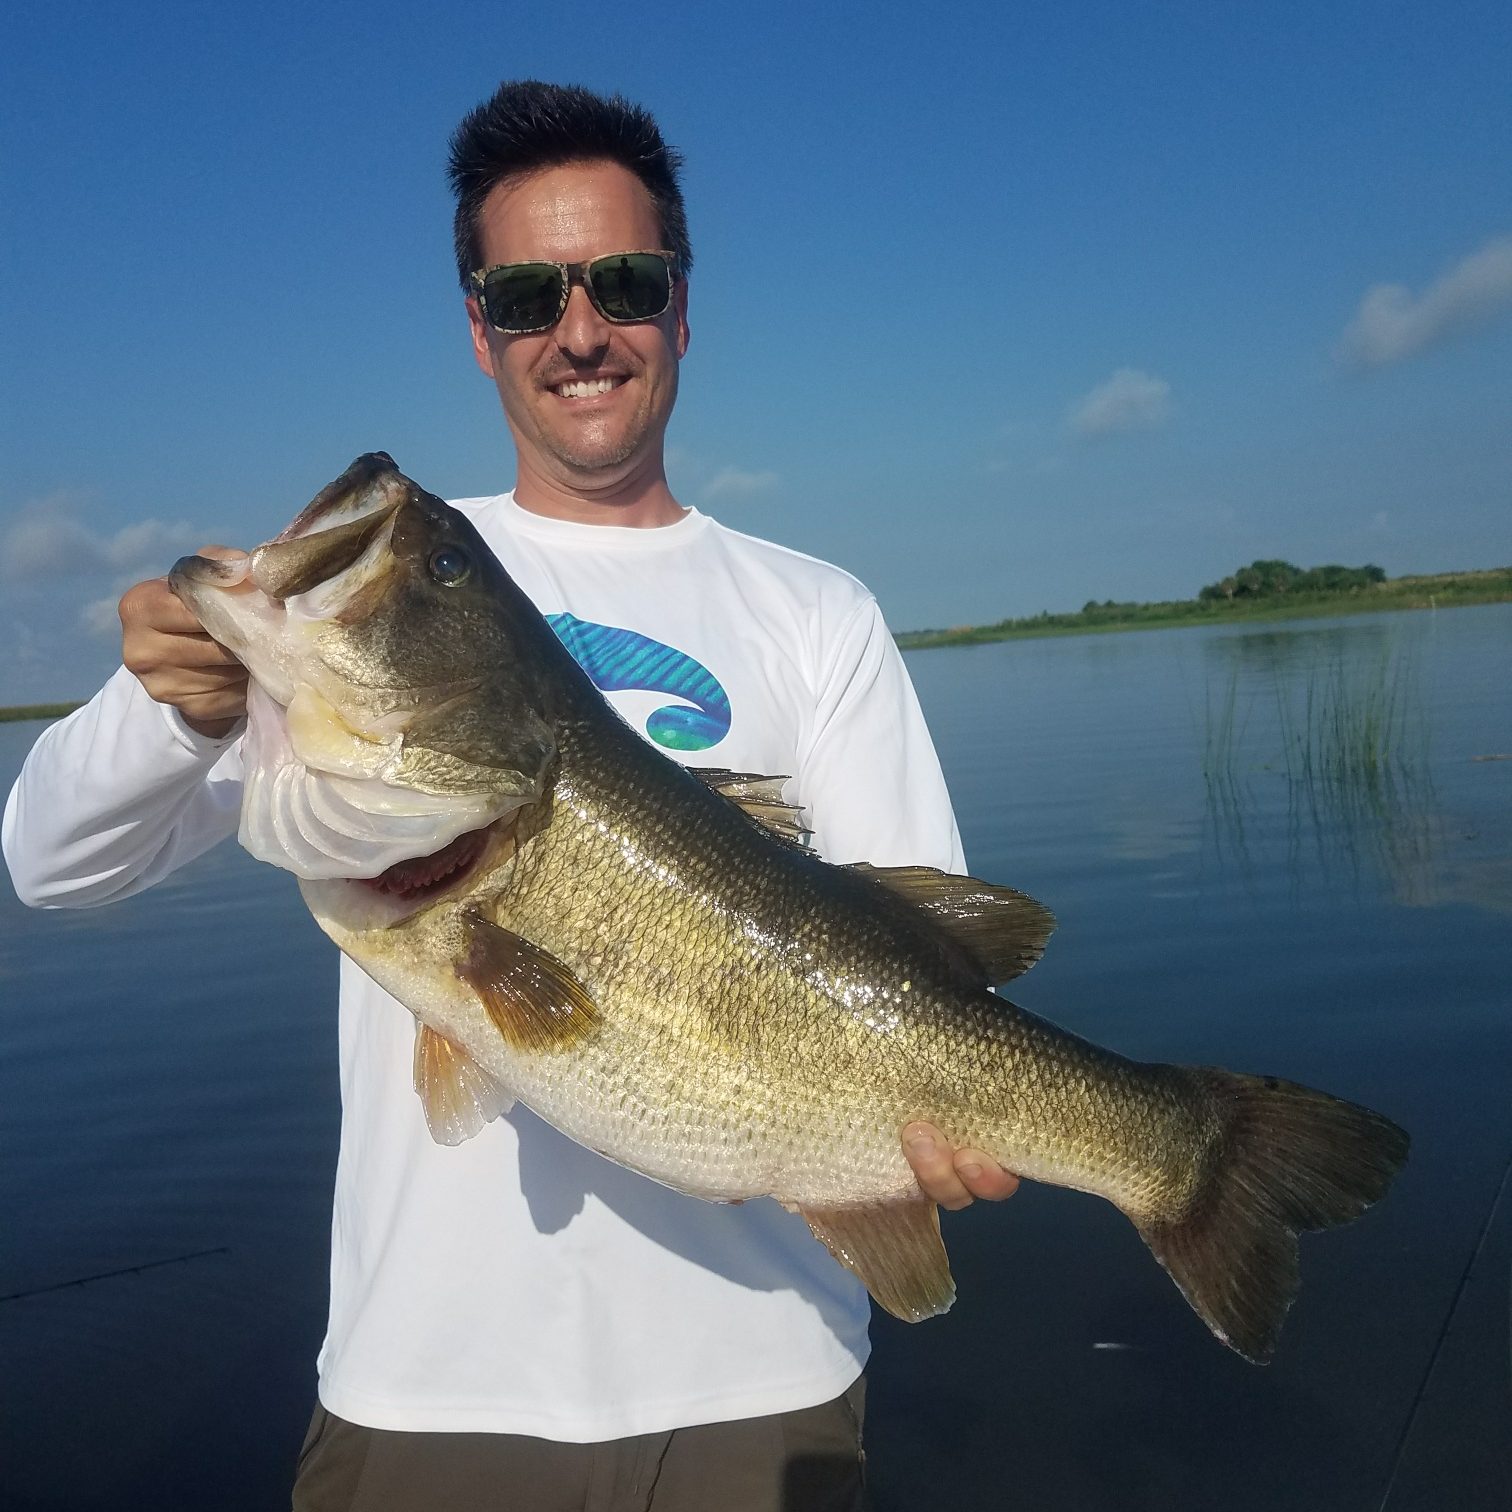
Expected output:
(517, 1322)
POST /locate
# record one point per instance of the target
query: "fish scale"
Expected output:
(712, 1044)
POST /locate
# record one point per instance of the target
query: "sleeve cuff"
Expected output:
(192, 740)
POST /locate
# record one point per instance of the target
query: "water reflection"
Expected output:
(1318, 742)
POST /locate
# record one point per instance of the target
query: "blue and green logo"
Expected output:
(624, 660)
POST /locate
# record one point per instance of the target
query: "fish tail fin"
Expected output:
(1288, 1159)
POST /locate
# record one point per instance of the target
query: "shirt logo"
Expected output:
(621, 660)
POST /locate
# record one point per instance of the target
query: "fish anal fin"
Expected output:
(761, 798)
(1002, 930)
(895, 1248)
(535, 1001)
(1292, 1159)
(458, 1095)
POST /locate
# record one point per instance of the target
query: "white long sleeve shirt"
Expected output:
(520, 1283)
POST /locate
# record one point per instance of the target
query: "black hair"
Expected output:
(526, 126)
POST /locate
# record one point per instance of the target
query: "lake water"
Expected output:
(1270, 848)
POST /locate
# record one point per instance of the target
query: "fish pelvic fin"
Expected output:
(1003, 932)
(895, 1248)
(1290, 1159)
(458, 1095)
(535, 1001)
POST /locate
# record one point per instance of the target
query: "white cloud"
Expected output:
(45, 542)
(1391, 324)
(1130, 400)
(101, 616)
(40, 543)
(733, 482)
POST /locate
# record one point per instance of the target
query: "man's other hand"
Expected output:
(954, 1179)
(169, 653)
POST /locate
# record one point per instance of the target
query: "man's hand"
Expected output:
(954, 1179)
(168, 651)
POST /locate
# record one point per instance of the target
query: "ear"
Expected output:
(680, 317)
(481, 330)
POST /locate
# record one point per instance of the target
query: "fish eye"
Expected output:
(449, 565)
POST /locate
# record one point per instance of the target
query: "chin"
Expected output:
(607, 454)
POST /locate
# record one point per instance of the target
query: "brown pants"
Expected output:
(805, 1461)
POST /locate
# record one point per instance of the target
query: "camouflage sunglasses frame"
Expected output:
(568, 274)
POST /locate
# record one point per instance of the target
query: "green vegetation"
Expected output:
(1343, 723)
(1351, 726)
(36, 711)
(1271, 578)
(1350, 741)
(1265, 590)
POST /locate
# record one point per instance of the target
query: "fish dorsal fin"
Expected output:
(761, 798)
(458, 1095)
(1003, 931)
(535, 1001)
(896, 1249)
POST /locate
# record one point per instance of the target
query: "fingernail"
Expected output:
(973, 1171)
(921, 1144)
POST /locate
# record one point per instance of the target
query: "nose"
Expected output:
(582, 331)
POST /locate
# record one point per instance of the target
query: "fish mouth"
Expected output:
(372, 485)
(342, 531)
(334, 548)
(423, 877)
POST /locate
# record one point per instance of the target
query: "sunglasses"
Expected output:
(531, 296)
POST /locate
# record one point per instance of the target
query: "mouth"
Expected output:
(425, 876)
(588, 388)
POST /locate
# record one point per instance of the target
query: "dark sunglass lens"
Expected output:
(525, 297)
(630, 285)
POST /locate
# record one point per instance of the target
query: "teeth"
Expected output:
(580, 389)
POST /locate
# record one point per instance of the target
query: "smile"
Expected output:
(585, 388)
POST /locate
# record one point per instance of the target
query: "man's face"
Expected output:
(575, 440)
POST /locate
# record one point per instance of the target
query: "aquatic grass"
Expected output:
(1224, 725)
(1353, 754)
(1364, 771)
(1353, 725)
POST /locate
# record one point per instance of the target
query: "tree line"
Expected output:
(1272, 578)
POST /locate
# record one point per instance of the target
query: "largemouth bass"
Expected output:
(648, 958)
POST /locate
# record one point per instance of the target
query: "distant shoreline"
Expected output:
(37, 711)
(1449, 590)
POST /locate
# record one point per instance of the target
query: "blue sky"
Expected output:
(1003, 307)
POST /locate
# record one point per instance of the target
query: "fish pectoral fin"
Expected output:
(458, 1095)
(895, 1248)
(535, 1001)
(760, 798)
(1003, 931)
